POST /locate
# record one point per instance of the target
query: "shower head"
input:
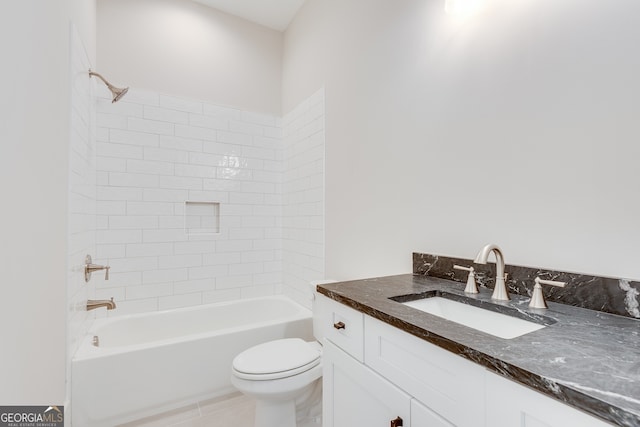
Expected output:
(117, 92)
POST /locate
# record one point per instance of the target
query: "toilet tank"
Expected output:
(317, 329)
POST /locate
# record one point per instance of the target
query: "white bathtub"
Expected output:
(154, 362)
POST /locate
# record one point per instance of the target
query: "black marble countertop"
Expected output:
(587, 359)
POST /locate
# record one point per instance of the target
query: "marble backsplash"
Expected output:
(610, 295)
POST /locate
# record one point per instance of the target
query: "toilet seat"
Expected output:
(276, 359)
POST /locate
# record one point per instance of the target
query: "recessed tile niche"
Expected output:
(201, 217)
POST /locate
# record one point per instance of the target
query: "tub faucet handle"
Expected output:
(90, 267)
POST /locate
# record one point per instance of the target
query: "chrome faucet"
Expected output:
(97, 303)
(500, 292)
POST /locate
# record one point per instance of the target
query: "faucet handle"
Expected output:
(550, 282)
(460, 267)
(472, 287)
(537, 298)
(90, 267)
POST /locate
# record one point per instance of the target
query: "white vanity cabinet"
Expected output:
(510, 404)
(339, 324)
(354, 395)
(450, 387)
(378, 375)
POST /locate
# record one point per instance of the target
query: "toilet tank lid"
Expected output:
(276, 356)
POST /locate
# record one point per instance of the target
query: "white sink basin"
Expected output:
(496, 324)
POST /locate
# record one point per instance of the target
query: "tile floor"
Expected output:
(234, 410)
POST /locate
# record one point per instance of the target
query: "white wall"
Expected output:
(516, 126)
(182, 48)
(34, 152)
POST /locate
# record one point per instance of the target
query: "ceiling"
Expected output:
(275, 14)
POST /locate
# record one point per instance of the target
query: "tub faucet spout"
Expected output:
(500, 292)
(93, 304)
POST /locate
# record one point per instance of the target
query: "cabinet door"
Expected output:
(511, 405)
(355, 396)
(421, 416)
(446, 383)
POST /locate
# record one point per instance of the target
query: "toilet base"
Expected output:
(275, 414)
(304, 411)
(309, 407)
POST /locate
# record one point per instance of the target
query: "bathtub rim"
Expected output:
(86, 350)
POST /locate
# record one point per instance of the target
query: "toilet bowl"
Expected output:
(280, 375)
(283, 376)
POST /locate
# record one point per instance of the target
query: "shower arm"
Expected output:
(117, 92)
(109, 85)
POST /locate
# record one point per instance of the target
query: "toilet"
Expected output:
(283, 376)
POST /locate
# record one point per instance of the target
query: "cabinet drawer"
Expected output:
(341, 325)
(446, 383)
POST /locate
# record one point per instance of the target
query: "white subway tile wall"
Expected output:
(303, 197)
(157, 152)
(82, 195)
